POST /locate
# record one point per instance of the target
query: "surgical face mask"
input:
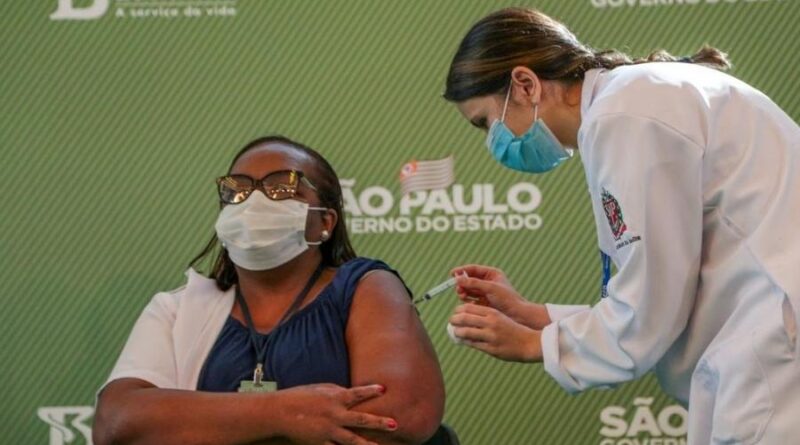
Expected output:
(536, 151)
(262, 234)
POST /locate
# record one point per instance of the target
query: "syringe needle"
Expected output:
(438, 289)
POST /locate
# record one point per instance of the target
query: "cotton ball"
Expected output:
(451, 332)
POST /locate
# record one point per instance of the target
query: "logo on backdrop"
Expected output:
(144, 9)
(427, 175)
(432, 201)
(640, 425)
(67, 423)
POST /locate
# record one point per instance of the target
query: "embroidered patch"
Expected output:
(614, 214)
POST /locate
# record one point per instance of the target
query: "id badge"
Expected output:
(263, 386)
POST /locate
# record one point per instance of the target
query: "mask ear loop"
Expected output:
(505, 105)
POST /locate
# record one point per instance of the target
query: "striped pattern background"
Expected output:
(113, 130)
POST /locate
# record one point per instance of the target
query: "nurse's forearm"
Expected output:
(556, 312)
(518, 345)
(532, 315)
(533, 348)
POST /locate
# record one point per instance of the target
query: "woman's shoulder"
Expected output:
(351, 274)
(359, 268)
(363, 264)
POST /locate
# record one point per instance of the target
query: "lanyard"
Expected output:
(606, 260)
(261, 350)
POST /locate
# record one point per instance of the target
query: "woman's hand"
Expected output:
(320, 414)
(488, 286)
(488, 330)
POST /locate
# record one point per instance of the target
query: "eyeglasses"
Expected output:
(233, 189)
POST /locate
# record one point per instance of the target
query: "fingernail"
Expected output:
(381, 389)
(392, 424)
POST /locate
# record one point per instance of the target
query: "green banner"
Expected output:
(118, 114)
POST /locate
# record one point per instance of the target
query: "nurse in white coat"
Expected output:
(694, 177)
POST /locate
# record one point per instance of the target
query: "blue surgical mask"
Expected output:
(536, 151)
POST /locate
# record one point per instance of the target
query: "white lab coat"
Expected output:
(694, 178)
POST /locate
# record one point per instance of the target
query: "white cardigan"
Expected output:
(174, 334)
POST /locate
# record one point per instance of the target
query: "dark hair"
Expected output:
(335, 251)
(526, 37)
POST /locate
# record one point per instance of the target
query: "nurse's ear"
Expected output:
(527, 87)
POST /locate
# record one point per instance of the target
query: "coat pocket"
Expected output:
(743, 403)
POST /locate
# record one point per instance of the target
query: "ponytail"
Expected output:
(707, 56)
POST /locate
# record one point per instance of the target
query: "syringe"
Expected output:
(438, 289)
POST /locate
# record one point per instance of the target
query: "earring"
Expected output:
(325, 235)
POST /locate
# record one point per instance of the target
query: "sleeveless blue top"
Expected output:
(310, 347)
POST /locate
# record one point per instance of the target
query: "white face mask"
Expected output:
(262, 234)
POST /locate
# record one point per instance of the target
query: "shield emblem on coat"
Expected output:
(613, 214)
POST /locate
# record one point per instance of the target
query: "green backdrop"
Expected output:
(114, 126)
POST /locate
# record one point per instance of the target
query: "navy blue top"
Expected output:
(310, 347)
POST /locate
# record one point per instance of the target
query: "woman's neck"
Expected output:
(284, 281)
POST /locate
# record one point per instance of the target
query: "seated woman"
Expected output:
(292, 338)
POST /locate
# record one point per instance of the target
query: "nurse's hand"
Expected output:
(488, 330)
(489, 286)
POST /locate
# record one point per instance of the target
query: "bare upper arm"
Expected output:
(115, 392)
(388, 344)
(125, 384)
